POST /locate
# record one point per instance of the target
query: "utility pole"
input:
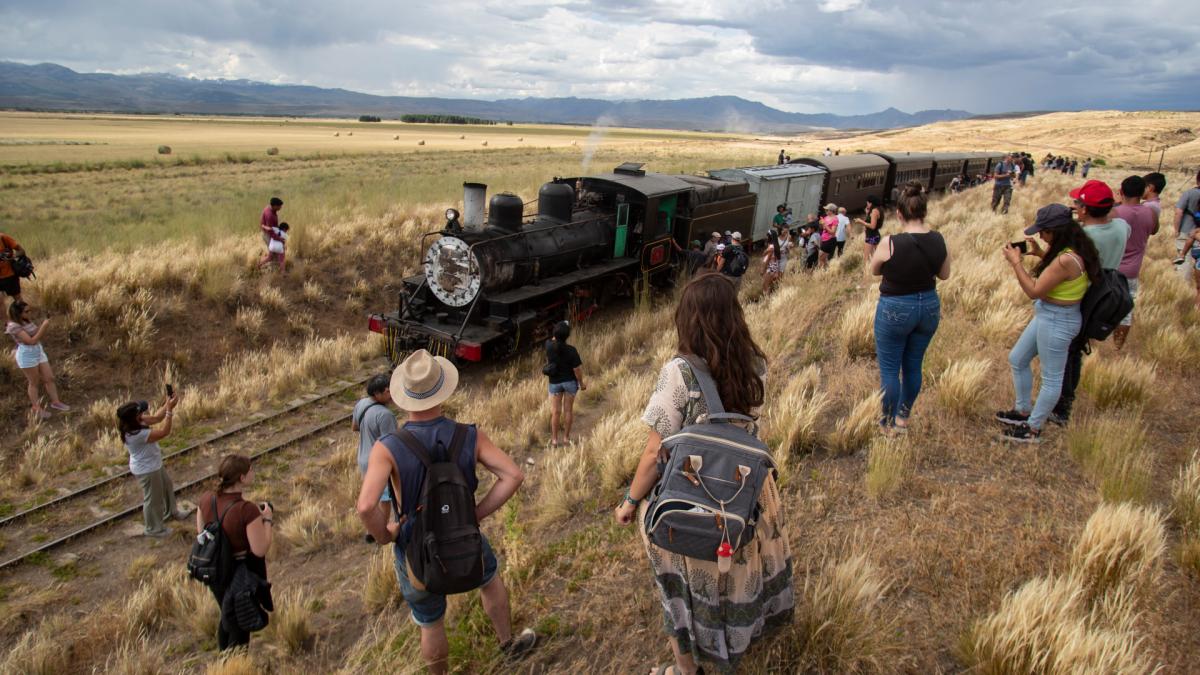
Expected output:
(1161, 156)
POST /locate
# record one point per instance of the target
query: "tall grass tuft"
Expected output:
(249, 321)
(1025, 634)
(306, 529)
(854, 431)
(794, 417)
(235, 663)
(962, 386)
(857, 329)
(137, 657)
(616, 441)
(40, 650)
(1121, 545)
(1170, 348)
(196, 610)
(889, 466)
(566, 482)
(1185, 497)
(381, 589)
(1118, 383)
(841, 624)
(1112, 452)
(291, 624)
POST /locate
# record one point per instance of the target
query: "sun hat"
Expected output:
(1049, 216)
(1094, 193)
(717, 235)
(423, 381)
(831, 207)
(737, 235)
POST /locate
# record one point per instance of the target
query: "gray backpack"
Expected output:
(707, 496)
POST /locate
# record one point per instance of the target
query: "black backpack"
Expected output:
(211, 560)
(22, 266)
(445, 551)
(1106, 302)
(739, 263)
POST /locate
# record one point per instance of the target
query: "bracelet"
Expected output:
(268, 521)
(168, 413)
(631, 500)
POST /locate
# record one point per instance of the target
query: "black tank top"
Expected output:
(868, 231)
(916, 260)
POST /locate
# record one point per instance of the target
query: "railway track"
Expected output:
(102, 502)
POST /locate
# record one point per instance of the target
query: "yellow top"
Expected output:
(1071, 290)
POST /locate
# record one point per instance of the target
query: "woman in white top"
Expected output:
(31, 357)
(146, 464)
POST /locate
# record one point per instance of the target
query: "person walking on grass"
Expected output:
(1057, 286)
(134, 422)
(710, 615)
(420, 386)
(829, 225)
(1002, 187)
(771, 266)
(277, 248)
(1093, 210)
(31, 358)
(1187, 216)
(268, 223)
(843, 227)
(10, 283)
(872, 225)
(909, 309)
(373, 419)
(1191, 256)
(786, 244)
(565, 370)
(248, 528)
(1143, 223)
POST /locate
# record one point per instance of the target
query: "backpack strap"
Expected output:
(708, 388)
(359, 421)
(415, 447)
(457, 442)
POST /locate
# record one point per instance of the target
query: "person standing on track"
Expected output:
(146, 462)
(268, 224)
(373, 419)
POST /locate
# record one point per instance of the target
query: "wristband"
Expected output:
(168, 413)
(268, 521)
(631, 500)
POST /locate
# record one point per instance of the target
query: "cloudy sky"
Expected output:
(844, 56)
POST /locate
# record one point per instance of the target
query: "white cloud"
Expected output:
(839, 5)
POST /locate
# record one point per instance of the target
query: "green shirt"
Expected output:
(780, 219)
(1109, 239)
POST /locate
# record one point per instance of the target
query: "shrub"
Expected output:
(164, 149)
(1121, 545)
(889, 466)
(1117, 383)
(962, 386)
(272, 151)
(1112, 454)
(855, 429)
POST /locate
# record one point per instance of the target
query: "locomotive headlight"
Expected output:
(452, 271)
(451, 215)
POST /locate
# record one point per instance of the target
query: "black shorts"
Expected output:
(828, 247)
(11, 285)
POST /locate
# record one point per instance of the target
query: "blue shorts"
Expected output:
(571, 387)
(429, 608)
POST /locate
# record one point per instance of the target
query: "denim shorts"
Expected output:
(29, 356)
(429, 608)
(570, 387)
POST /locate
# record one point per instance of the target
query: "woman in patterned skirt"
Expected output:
(712, 616)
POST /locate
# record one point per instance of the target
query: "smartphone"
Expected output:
(1021, 246)
(170, 390)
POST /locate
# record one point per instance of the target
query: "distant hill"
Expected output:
(47, 86)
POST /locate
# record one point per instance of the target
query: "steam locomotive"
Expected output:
(494, 284)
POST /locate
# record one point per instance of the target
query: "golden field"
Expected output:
(943, 551)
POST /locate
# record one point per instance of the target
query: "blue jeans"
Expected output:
(1048, 337)
(570, 387)
(429, 608)
(904, 327)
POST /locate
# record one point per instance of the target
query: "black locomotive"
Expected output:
(492, 287)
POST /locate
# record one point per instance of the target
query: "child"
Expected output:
(277, 246)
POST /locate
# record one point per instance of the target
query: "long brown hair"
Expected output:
(711, 325)
(231, 470)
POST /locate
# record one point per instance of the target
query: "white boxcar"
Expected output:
(796, 185)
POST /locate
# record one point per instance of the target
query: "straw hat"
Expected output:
(423, 381)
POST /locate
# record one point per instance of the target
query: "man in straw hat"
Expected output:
(419, 387)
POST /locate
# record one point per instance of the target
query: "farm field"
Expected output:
(928, 554)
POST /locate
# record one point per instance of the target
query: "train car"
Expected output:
(947, 165)
(977, 164)
(797, 186)
(490, 288)
(904, 167)
(851, 179)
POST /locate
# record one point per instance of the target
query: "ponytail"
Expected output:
(913, 203)
(231, 470)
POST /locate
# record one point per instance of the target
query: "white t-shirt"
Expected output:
(144, 457)
(276, 245)
(843, 223)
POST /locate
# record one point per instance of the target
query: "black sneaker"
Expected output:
(1022, 433)
(1012, 417)
(1059, 419)
(369, 538)
(519, 646)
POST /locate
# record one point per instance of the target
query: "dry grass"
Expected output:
(138, 657)
(141, 567)
(889, 466)
(1112, 451)
(856, 330)
(249, 321)
(854, 431)
(38, 651)
(151, 605)
(795, 416)
(272, 298)
(291, 623)
(565, 483)
(1121, 545)
(306, 529)
(841, 622)
(1185, 497)
(381, 591)
(1126, 382)
(235, 663)
(962, 386)
(196, 610)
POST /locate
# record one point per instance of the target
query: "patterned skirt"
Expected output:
(716, 616)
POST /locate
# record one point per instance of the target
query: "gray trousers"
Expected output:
(999, 192)
(158, 499)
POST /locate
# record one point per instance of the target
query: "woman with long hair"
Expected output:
(247, 527)
(565, 370)
(712, 615)
(1057, 286)
(829, 224)
(909, 309)
(771, 263)
(872, 225)
(786, 244)
(135, 422)
(32, 359)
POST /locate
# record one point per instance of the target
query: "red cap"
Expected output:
(1094, 193)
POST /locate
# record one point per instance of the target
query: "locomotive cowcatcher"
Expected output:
(492, 287)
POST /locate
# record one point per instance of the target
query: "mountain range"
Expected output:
(47, 86)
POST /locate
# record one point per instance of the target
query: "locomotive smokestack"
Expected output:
(474, 197)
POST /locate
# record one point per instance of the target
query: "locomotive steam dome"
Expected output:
(505, 211)
(555, 201)
(452, 271)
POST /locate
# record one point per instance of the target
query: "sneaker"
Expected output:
(183, 514)
(158, 534)
(369, 538)
(519, 647)
(1059, 419)
(1012, 417)
(1177, 261)
(60, 407)
(1022, 433)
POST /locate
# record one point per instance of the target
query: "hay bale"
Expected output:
(272, 151)
(164, 149)
(349, 133)
(520, 139)
(420, 142)
(463, 137)
(485, 144)
(396, 137)
(337, 133)
(572, 142)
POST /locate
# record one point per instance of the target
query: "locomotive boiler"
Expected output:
(494, 283)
